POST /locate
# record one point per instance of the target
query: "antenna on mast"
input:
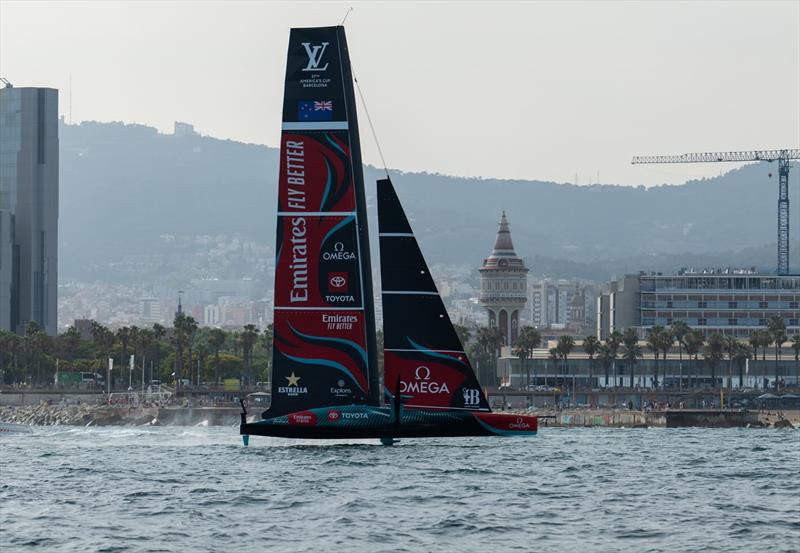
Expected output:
(345, 16)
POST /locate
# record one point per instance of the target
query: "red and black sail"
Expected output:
(324, 352)
(421, 346)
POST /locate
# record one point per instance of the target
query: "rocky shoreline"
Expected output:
(48, 414)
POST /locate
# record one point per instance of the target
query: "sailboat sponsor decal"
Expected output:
(316, 173)
(330, 346)
(318, 266)
(472, 397)
(293, 387)
(303, 418)
(444, 380)
(422, 383)
(339, 254)
(339, 322)
(315, 53)
(335, 415)
(340, 390)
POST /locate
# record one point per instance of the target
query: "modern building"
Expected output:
(732, 302)
(556, 302)
(504, 284)
(150, 310)
(28, 208)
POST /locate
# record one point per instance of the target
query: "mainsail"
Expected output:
(421, 348)
(324, 349)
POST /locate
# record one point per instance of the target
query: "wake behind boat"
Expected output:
(325, 381)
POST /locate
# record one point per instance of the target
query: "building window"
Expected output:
(793, 322)
(732, 322)
(701, 304)
(763, 305)
(732, 305)
(794, 305)
(701, 322)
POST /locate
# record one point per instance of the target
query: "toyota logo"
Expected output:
(422, 370)
(338, 281)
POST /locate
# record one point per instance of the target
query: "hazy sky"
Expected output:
(516, 90)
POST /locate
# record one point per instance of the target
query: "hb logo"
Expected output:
(315, 56)
(471, 396)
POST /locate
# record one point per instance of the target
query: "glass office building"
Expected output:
(28, 208)
(731, 302)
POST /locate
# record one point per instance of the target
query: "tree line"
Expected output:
(199, 355)
(185, 352)
(660, 341)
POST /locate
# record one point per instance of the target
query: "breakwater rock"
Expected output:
(45, 414)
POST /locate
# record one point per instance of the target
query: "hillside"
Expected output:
(123, 186)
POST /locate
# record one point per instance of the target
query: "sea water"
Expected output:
(176, 489)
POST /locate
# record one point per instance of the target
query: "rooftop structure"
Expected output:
(504, 284)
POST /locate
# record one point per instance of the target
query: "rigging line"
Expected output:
(369, 120)
(345, 16)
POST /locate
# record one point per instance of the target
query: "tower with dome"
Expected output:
(504, 284)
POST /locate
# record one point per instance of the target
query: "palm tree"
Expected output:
(731, 347)
(743, 352)
(656, 335)
(528, 340)
(777, 331)
(490, 340)
(631, 350)
(184, 327)
(564, 346)
(463, 334)
(606, 357)
(216, 339)
(591, 345)
(555, 357)
(677, 333)
(693, 342)
(144, 342)
(37, 343)
(713, 354)
(71, 342)
(158, 334)
(614, 340)
(248, 339)
(123, 336)
(5, 353)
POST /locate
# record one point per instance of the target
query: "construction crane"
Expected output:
(783, 157)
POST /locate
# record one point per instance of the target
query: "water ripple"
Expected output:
(162, 489)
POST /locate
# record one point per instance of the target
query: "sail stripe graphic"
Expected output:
(325, 363)
(350, 343)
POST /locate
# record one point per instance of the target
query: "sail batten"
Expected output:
(421, 348)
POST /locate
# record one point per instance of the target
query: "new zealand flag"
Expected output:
(315, 110)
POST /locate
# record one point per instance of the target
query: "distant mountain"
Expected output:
(123, 185)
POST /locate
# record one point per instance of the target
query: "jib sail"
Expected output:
(420, 343)
(324, 352)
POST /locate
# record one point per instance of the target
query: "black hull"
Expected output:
(365, 422)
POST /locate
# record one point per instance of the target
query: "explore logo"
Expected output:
(422, 383)
(339, 390)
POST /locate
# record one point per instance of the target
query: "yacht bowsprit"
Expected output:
(325, 379)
